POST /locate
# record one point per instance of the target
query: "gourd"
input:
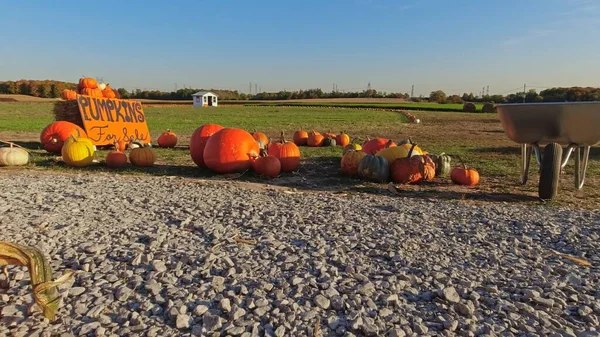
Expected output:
(230, 150)
(374, 168)
(395, 152)
(267, 165)
(78, 152)
(287, 152)
(329, 134)
(198, 142)
(13, 155)
(54, 135)
(329, 142)
(142, 155)
(167, 139)
(68, 94)
(102, 86)
(442, 164)
(462, 175)
(352, 147)
(315, 139)
(342, 139)
(372, 146)
(261, 139)
(300, 137)
(351, 161)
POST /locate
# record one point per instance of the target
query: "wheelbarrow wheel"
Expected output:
(550, 171)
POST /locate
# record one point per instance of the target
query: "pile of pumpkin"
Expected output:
(411, 117)
(230, 150)
(316, 139)
(90, 87)
(381, 160)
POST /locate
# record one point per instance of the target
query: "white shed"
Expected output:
(204, 99)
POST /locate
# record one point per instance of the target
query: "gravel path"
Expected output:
(156, 257)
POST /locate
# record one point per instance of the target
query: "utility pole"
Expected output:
(412, 91)
(250, 88)
(524, 92)
(256, 88)
(369, 86)
(488, 90)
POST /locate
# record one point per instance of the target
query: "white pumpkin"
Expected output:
(13, 156)
(102, 86)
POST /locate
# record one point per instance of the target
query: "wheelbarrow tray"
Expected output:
(543, 123)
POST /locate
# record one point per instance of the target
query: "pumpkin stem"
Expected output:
(388, 144)
(411, 150)
(282, 138)
(13, 144)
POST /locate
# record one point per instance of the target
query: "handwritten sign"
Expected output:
(107, 120)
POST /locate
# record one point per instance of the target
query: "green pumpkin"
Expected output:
(375, 168)
(442, 164)
(329, 142)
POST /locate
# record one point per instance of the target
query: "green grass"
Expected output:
(405, 106)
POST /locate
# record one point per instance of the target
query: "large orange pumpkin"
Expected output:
(230, 150)
(108, 92)
(372, 146)
(350, 162)
(54, 135)
(87, 82)
(68, 94)
(92, 92)
(300, 137)
(198, 142)
(315, 139)
(287, 152)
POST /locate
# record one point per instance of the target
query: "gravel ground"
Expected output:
(157, 257)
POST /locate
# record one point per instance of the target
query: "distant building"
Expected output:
(204, 99)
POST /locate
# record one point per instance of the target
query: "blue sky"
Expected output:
(456, 46)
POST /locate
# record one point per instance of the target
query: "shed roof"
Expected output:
(202, 93)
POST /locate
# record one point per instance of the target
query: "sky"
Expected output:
(455, 46)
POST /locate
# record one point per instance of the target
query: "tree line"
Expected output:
(53, 89)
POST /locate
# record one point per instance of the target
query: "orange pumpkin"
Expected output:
(116, 158)
(315, 139)
(330, 134)
(120, 145)
(230, 150)
(342, 139)
(87, 82)
(117, 94)
(269, 166)
(198, 142)
(167, 139)
(287, 152)
(108, 92)
(464, 176)
(142, 155)
(405, 170)
(92, 92)
(262, 139)
(300, 137)
(54, 135)
(68, 94)
(372, 146)
(350, 162)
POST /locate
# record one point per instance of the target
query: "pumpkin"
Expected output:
(374, 168)
(287, 152)
(329, 141)
(78, 151)
(352, 147)
(442, 163)
(13, 156)
(230, 150)
(261, 139)
(117, 94)
(116, 159)
(120, 145)
(300, 137)
(269, 166)
(198, 142)
(329, 134)
(342, 139)
(54, 135)
(314, 139)
(92, 92)
(87, 82)
(462, 175)
(372, 146)
(108, 92)
(400, 151)
(167, 139)
(142, 155)
(68, 94)
(351, 161)
(102, 86)
(412, 169)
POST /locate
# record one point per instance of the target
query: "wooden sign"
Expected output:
(107, 120)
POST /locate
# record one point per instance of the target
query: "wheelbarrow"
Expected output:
(575, 125)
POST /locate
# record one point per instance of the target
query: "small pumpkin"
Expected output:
(300, 137)
(78, 151)
(230, 150)
(372, 146)
(442, 163)
(351, 161)
(54, 135)
(267, 165)
(374, 168)
(120, 145)
(352, 147)
(462, 175)
(261, 139)
(142, 155)
(13, 155)
(287, 152)
(116, 158)
(315, 139)
(108, 92)
(102, 86)
(92, 92)
(198, 142)
(68, 94)
(329, 134)
(342, 139)
(167, 139)
(329, 141)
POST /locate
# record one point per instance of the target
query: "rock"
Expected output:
(450, 295)
(211, 322)
(225, 305)
(76, 291)
(159, 266)
(183, 321)
(322, 301)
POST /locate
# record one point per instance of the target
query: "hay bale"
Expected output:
(469, 107)
(488, 107)
(67, 111)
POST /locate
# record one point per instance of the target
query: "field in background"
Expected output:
(477, 138)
